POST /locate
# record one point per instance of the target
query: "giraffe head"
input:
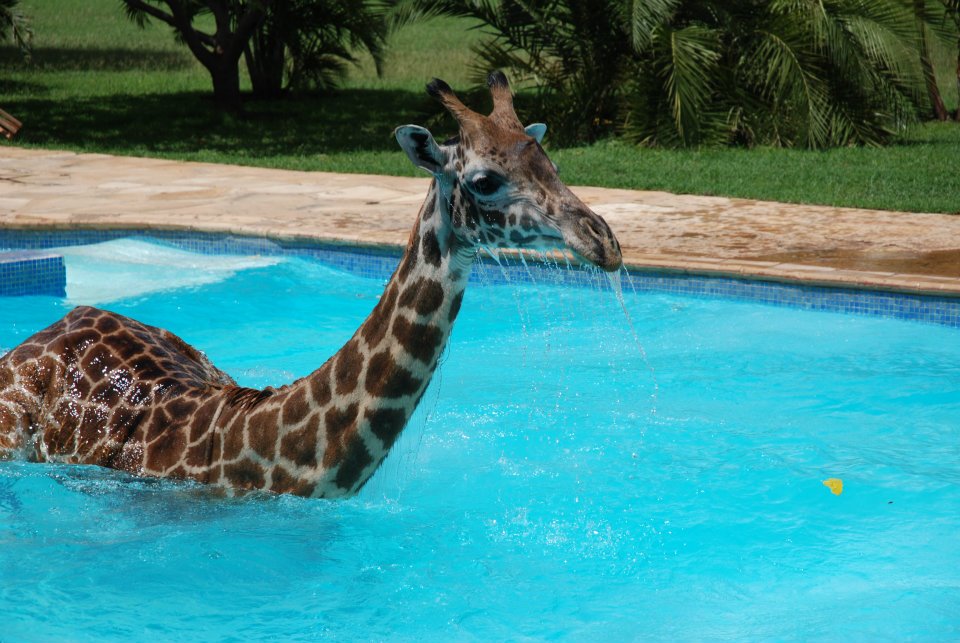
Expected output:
(497, 188)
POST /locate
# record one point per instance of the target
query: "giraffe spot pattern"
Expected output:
(355, 460)
(387, 379)
(349, 365)
(424, 296)
(386, 424)
(431, 249)
(419, 340)
(300, 446)
(340, 423)
(245, 474)
(375, 329)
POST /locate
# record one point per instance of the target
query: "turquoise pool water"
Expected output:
(554, 483)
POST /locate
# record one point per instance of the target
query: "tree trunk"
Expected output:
(956, 116)
(226, 84)
(264, 56)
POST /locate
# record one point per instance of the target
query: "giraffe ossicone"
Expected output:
(99, 388)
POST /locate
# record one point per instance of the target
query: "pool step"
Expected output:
(31, 272)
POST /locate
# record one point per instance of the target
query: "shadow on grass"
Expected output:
(9, 87)
(94, 59)
(185, 123)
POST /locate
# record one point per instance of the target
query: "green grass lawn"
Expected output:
(98, 83)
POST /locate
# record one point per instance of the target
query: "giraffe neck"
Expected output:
(364, 395)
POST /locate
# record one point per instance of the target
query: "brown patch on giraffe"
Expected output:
(295, 407)
(349, 364)
(262, 430)
(385, 378)
(178, 473)
(157, 422)
(375, 328)
(182, 408)
(420, 340)
(320, 387)
(494, 218)
(107, 325)
(169, 386)
(165, 451)
(89, 428)
(355, 460)
(124, 344)
(139, 393)
(202, 420)
(285, 482)
(216, 447)
(423, 295)
(28, 351)
(84, 321)
(60, 437)
(27, 376)
(245, 474)
(455, 306)
(123, 423)
(300, 447)
(431, 248)
(74, 343)
(78, 385)
(233, 439)
(105, 393)
(145, 368)
(521, 239)
(197, 455)
(386, 424)
(408, 263)
(340, 424)
(281, 480)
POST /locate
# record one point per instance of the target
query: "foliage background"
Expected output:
(97, 83)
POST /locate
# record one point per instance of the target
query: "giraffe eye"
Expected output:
(486, 184)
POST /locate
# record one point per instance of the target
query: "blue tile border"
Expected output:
(380, 262)
(29, 272)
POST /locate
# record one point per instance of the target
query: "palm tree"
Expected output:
(952, 11)
(810, 73)
(311, 42)
(14, 25)
(218, 49)
(926, 15)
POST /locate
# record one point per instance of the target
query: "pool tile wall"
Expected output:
(26, 272)
(379, 263)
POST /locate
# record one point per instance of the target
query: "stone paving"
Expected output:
(916, 252)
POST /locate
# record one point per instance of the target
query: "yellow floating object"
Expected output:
(835, 485)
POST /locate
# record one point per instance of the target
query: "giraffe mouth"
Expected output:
(591, 240)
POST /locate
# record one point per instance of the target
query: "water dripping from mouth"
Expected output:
(495, 255)
(616, 284)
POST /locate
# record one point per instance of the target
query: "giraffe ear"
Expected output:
(420, 147)
(536, 130)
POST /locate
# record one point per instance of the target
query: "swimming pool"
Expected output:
(554, 483)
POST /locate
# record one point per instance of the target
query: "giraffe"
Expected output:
(99, 388)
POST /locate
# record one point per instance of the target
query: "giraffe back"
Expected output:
(97, 387)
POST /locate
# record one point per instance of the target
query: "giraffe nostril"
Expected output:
(591, 227)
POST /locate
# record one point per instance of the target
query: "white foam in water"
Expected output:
(104, 272)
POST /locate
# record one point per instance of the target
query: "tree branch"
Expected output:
(246, 26)
(194, 39)
(152, 11)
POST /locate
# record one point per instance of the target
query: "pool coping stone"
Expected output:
(915, 253)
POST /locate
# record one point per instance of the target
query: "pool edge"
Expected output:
(766, 271)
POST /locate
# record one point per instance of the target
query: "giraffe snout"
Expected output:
(593, 240)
